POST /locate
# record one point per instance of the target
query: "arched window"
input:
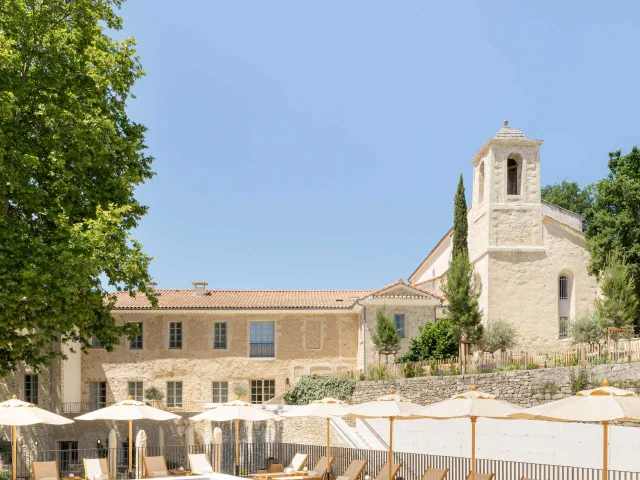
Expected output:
(564, 305)
(481, 183)
(514, 163)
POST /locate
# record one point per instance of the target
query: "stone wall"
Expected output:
(522, 387)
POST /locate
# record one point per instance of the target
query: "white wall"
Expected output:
(71, 370)
(550, 443)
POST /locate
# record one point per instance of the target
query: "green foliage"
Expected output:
(240, 390)
(379, 372)
(587, 329)
(580, 380)
(315, 387)
(5, 475)
(613, 220)
(569, 196)
(460, 225)
(462, 289)
(498, 335)
(618, 306)
(435, 340)
(385, 338)
(548, 388)
(153, 393)
(70, 160)
(411, 371)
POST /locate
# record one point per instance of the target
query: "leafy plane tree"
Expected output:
(70, 159)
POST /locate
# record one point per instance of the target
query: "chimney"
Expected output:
(199, 288)
(152, 285)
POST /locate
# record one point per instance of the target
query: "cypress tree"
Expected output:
(460, 225)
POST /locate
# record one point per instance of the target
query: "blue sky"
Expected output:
(313, 145)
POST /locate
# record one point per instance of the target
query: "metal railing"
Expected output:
(256, 456)
(183, 406)
(261, 349)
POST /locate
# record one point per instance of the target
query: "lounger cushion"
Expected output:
(99, 476)
(49, 478)
(312, 473)
(161, 473)
(343, 478)
(289, 470)
(205, 470)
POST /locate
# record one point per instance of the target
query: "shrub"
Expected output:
(580, 380)
(588, 329)
(240, 390)
(408, 370)
(533, 366)
(314, 387)
(435, 340)
(548, 388)
(498, 335)
(385, 338)
(153, 393)
(379, 372)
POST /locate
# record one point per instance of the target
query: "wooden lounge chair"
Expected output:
(435, 474)
(45, 470)
(482, 476)
(383, 474)
(353, 471)
(318, 471)
(278, 470)
(199, 464)
(96, 468)
(155, 467)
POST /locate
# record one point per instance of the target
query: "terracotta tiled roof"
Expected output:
(244, 299)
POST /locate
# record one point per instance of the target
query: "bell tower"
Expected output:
(506, 194)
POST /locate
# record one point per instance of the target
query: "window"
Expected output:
(97, 395)
(400, 325)
(261, 343)
(563, 287)
(513, 174)
(96, 343)
(135, 391)
(175, 335)
(563, 327)
(31, 388)
(481, 183)
(220, 392)
(262, 390)
(136, 343)
(67, 456)
(220, 335)
(174, 394)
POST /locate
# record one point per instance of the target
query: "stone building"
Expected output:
(530, 255)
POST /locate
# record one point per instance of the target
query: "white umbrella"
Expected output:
(604, 404)
(17, 413)
(141, 451)
(236, 410)
(390, 406)
(112, 445)
(129, 410)
(472, 405)
(326, 408)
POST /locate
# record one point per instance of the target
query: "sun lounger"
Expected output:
(383, 474)
(96, 468)
(199, 464)
(435, 473)
(318, 471)
(278, 470)
(482, 476)
(155, 467)
(45, 470)
(354, 470)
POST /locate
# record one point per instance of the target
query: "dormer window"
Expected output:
(514, 165)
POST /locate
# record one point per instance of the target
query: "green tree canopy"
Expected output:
(498, 335)
(570, 196)
(613, 220)
(618, 306)
(70, 159)
(587, 329)
(435, 340)
(385, 338)
(460, 222)
(315, 387)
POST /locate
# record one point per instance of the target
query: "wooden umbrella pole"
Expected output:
(328, 448)
(130, 445)
(390, 447)
(605, 459)
(473, 448)
(14, 448)
(237, 448)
